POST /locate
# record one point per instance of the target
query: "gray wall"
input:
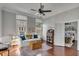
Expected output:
(0, 23)
(30, 25)
(78, 36)
(8, 23)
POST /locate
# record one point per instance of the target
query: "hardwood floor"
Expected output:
(55, 51)
(48, 51)
(62, 51)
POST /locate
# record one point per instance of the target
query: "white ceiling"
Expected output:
(55, 7)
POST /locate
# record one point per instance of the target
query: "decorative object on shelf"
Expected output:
(67, 39)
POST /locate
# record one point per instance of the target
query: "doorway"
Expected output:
(50, 37)
(71, 35)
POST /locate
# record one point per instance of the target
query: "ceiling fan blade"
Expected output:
(41, 6)
(33, 9)
(42, 14)
(46, 10)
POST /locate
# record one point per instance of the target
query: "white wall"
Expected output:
(67, 16)
(50, 22)
(8, 23)
(44, 31)
(59, 34)
(0, 22)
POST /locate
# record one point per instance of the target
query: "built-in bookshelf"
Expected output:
(38, 27)
(70, 33)
(50, 37)
(21, 24)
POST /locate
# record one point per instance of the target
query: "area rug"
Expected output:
(27, 51)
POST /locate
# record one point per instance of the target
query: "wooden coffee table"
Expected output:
(36, 44)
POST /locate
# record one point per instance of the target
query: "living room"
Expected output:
(27, 32)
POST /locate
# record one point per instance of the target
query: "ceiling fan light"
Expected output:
(37, 13)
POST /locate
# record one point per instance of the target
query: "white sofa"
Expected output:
(26, 42)
(5, 39)
(22, 43)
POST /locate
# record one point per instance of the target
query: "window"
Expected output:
(21, 24)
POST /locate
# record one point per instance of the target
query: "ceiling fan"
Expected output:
(41, 10)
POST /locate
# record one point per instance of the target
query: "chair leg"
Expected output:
(8, 53)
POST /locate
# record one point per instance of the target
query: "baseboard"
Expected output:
(59, 45)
